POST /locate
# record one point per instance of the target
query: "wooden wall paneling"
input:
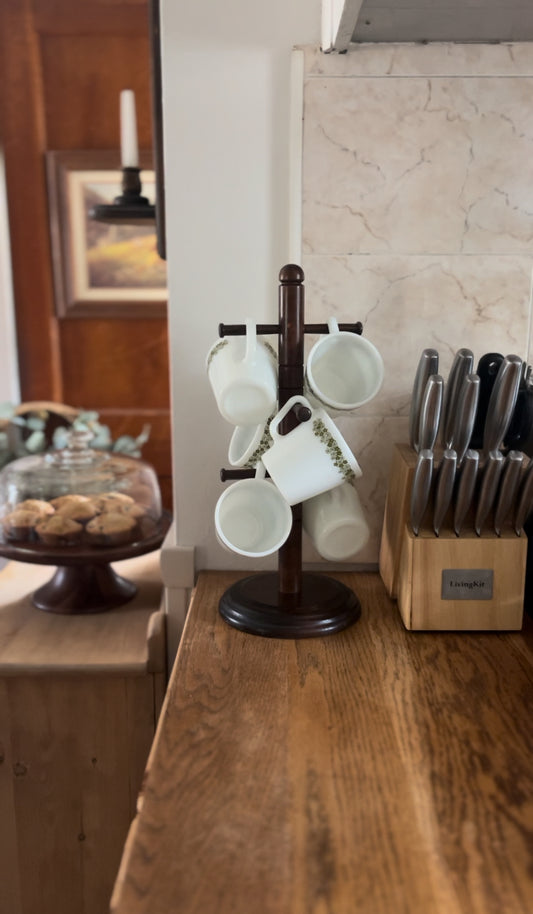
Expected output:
(77, 783)
(115, 364)
(22, 136)
(63, 67)
(10, 902)
(82, 91)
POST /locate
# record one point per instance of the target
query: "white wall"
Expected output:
(226, 75)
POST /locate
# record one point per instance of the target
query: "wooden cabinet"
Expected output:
(79, 700)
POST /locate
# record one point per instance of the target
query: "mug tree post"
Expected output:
(290, 603)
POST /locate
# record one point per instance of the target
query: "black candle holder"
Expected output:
(130, 207)
(290, 603)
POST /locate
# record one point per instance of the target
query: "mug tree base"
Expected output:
(323, 606)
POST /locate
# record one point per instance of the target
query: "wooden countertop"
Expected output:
(128, 640)
(375, 771)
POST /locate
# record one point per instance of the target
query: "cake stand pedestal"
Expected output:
(84, 581)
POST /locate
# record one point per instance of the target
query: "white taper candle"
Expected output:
(129, 148)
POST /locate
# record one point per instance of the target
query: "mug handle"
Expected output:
(333, 325)
(251, 340)
(292, 401)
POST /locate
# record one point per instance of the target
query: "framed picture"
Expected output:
(101, 269)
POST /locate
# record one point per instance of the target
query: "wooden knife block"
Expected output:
(412, 566)
(426, 558)
(397, 511)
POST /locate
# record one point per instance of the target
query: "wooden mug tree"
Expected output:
(289, 603)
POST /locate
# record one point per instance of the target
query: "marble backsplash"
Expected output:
(417, 217)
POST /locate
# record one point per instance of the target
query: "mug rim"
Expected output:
(283, 503)
(338, 404)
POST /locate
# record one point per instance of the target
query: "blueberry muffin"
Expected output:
(41, 507)
(57, 530)
(111, 501)
(19, 525)
(111, 529)
(76, 507)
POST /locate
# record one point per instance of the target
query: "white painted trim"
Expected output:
(326, 26)
(176, 562)
(9, 377)
(339, 18)
(296, 113)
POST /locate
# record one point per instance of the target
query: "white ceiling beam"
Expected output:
(339, 18)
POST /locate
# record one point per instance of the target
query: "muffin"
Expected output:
(76, 507)
(111, 501)
(111, 529)
(57, 530)
(42, 508)
(20, 524)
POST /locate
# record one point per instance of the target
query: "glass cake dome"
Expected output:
(78, 496)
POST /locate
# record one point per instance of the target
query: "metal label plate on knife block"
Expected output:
(467, 583)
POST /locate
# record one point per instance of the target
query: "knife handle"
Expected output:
(502, 402)
(430, 412)
(421, 488)
(489, 486)
(428, 364)
(465, 489)
(462, 365)
(465, 415)
(444, 488)
(525, 499)
(508, 488)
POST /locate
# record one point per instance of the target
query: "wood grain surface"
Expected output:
(33, 642)
(368, 772)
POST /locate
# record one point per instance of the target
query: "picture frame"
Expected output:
(100, 269)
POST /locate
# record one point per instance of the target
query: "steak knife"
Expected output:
(430, 412)
(421, 488)
(489, 487)
(444, 488)
(465, 489)
(502, 402)
(510, 480)
(428, 364)
(462, 365)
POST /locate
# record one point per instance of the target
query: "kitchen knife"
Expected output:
(489, 487)
(444, 488)
(525, 499)
(428, 364)
(487, 369)
(520, 432)
(502, 402)
(430, 412)
(465, 415)
(421, 488)
(465, 489)
(510, 480)
(462, 365)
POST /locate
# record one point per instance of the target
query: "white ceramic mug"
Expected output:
(252, 518)
(248, 444)
(242, 372)
(336, 523)
(312, 458)
(343, 370)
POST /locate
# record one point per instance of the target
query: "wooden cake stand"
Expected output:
(84, 581)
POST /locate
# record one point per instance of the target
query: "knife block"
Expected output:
(487, 572)
(397, 511)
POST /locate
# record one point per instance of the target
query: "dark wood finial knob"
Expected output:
(291, 273)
